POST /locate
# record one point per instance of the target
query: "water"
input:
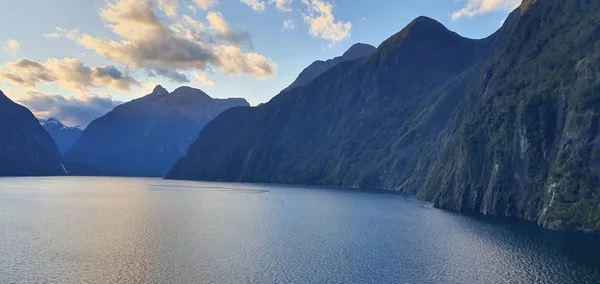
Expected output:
(109, 230)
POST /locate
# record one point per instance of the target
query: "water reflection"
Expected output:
(110, 230)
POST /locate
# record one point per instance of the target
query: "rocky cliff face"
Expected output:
(25, 147)
(503, 126)
(146, 136)
(529, 146)
(63, 136)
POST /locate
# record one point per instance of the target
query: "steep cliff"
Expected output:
(506, 125)
(529, 146)
(363, 123)
(26, 149)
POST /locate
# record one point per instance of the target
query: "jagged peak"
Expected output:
(51, 120)
(159, 90)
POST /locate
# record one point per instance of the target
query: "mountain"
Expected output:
(529, 145)
(360, 124)
(63, 136)
(507, 125)
(317, 68)
(26, 149)
(146, 136)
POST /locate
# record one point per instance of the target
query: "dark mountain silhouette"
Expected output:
(26, 149)
(507, 125)
(146, 136)
(63, 136)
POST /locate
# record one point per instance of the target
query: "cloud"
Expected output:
(206, 4)
(256, 5)
(60, 32)
(192, 9)
(282, 5)
(68, 73)
(169, 7)
(173, 75)
(71, 110)
(217, 23)
(288, 25)
(322, 22)
(479, 7)
(259, 5)
(52, 35)
(187, 45)
(202, 79)
(12, 46)
(231, 61)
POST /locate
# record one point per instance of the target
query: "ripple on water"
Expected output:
(124, 230)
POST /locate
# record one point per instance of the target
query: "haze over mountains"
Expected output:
(146, 136)
(506, 125)
(63, 136)
(26, 149)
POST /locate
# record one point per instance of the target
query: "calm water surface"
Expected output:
(107, 230)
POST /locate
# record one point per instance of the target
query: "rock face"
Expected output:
(317, 68)
(63, 136)
(529, 146)
(26, 149)
(507, 126)
(146, 136)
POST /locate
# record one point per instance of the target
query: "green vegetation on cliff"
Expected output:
(506, 125)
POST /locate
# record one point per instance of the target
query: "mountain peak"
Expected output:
(358, 50)
(159, 90)
(51, 120)
(189, 91)
(317, 68)
(423, 24)
(422, 29)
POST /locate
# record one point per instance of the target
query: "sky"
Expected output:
(77, 59)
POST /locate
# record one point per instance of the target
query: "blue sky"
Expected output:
(67, 57)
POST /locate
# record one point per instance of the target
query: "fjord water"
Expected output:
(107, 230)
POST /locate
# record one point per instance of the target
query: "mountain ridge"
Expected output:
(291, 102)
(145, 136)
(438, 115)
(314, 70)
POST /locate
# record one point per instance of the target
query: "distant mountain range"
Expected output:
(146, 136)
(508, 125)
(26, 149)
(63, 136)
